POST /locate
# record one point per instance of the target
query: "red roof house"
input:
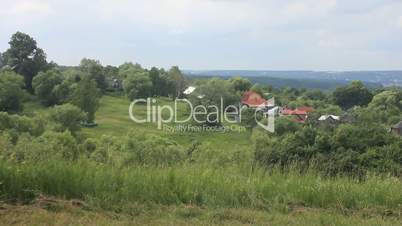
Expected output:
(300, 113)
(253, 99)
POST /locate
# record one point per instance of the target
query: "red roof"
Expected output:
(287, 111)
(300, 112)
(297, 111)
(253, 99)
(306, 109)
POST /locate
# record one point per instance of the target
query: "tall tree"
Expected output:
(129, 68)
(1, 60)
(158, 81)
(86, 97)
(354, 94)
(95, 71)
(211, 94)
(240, 84)
(25, 58)
(137, 85)
(178, 81)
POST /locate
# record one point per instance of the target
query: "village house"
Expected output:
(114, 83)
(255, 100)
(329, 118)
(397, 128)
(300, 114)
(189, 90)
(328, 121)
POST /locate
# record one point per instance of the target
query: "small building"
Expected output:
(300, 114)
(329, 118)
(329, 121)
(255, 100)
(189, 90)
(397, 128)
(113, 83)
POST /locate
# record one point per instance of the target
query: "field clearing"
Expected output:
(113, 119)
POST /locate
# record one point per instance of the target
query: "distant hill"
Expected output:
(307, 79)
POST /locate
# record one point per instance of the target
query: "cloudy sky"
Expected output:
(214, 34)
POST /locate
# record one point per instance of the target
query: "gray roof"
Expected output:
(398, 125)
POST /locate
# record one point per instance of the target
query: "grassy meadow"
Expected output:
(113, 119)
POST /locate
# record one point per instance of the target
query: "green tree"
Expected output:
(388, 100)
(240, 84)
(1, 60)
(314, 94)
(158, 82)
(211, 94)
(137, 85)
(95, 71)
(86, 97)
(25, 58)
(354, 94)
(11, 92)
(177, 80)
(258, 88)
(67, 117)
(45, 84)
(129, 68)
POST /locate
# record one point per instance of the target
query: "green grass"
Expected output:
(113, 189)
(113, 119)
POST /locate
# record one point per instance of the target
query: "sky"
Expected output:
(331, 35)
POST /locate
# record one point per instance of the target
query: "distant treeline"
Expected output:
(322, 84)
(386, 78)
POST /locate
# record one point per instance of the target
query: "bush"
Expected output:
(152, 150)
(11, 92)
(67, 117)
(51, 145)
(47, 87)
(14, 125)
(349, 149)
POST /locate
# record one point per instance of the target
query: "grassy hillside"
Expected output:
(218, 185)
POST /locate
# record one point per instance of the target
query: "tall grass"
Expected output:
(110, 188)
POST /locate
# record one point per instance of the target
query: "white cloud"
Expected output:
(21, 8)
(261, 33)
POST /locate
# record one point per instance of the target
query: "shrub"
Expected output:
(67, 117)
(152, 150)
(45, 84)
(11, 92)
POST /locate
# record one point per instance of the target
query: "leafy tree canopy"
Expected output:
(86, 97)
(45, 85)
(355, 94)
(240, 84)
(95, 71)
(137, 85)
(24, 57)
